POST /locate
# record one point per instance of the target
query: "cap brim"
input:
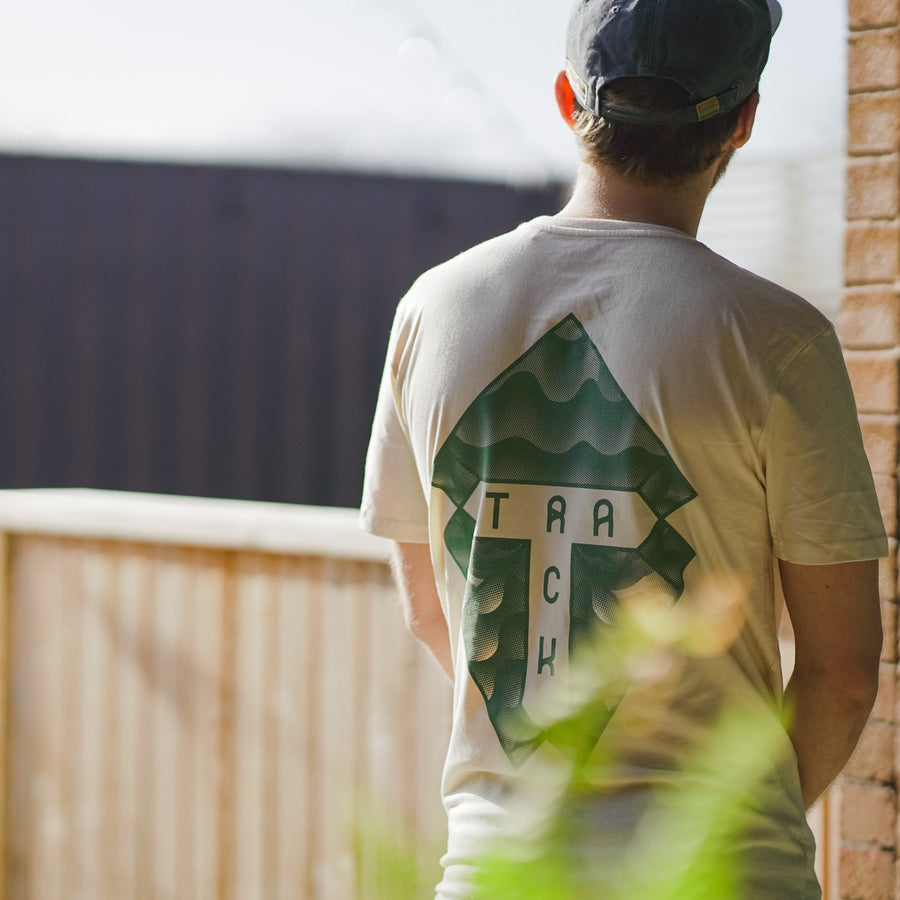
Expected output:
(775, 13)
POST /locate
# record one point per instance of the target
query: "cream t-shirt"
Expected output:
(582, 410)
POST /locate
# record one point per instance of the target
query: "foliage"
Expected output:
(683, 846)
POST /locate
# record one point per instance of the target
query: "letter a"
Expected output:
(556, 512)
(603, 515)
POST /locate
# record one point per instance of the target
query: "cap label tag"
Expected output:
(578, 85)
(707, 109)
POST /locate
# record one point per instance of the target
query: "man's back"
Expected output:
(595, 421)
(600, 410)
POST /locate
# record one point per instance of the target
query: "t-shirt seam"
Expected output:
(780, 373)
(850, 547)
(369, 516)
(613, 228)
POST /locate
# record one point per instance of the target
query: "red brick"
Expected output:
(887, 574)
(873, 758)
(874, 123)
(873, 60)
(874, 376)
(880, 433)
(873, 13)
(886, 487)
(873, 187)
(872, 252)
(869, 317)
(889, 628)
(866, 874)
(868, 812)
(885, 703)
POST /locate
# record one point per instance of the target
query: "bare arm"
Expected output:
(422, 610)
(836, 617)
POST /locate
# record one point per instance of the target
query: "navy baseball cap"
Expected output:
(715, 49)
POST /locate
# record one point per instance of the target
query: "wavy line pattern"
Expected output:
(562, 361)
(557, 416)
(522, 409)
(516, 460)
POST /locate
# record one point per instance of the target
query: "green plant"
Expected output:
(682, 848)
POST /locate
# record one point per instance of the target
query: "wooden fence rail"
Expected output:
(203, 699)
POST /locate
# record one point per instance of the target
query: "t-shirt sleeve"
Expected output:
(823, 508)
(393, 503)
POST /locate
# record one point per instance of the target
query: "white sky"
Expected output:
(456, 87)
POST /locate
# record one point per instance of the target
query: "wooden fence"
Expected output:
(204, 699)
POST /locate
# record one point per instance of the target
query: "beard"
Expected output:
(722, 166)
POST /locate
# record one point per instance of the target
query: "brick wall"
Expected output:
(869, 324)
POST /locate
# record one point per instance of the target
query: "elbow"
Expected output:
(422, 627)
(859, 689)
(863, 679)
(853, 685)
(415, 626)
(867, 689)
(859, 699)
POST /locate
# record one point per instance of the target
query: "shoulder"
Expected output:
(492, 260)
(444, 302)
(758, 308)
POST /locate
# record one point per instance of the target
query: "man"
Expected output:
(596, 405)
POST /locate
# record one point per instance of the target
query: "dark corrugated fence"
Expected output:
(216, 331)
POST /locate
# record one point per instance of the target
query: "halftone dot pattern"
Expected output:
(560, 365)
(496, 638)
(556, 417)
(522, 408)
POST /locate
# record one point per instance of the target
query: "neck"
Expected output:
(602, 194)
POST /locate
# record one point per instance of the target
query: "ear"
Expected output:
(565, 98)
(745, 122)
